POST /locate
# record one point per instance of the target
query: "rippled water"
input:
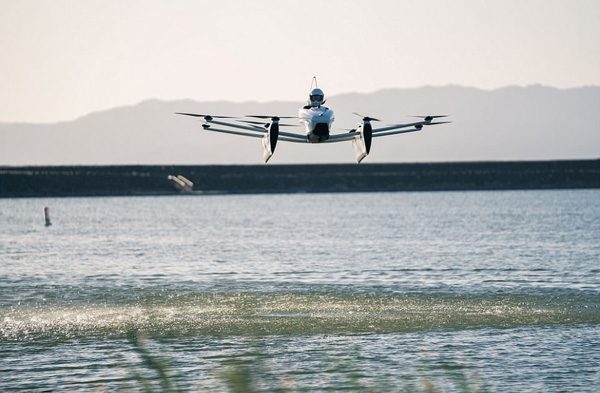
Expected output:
(492, 290)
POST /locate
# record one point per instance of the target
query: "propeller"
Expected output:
(365, 118)
(430, 117)
(206, 117)
(262, 123)
(274, 118)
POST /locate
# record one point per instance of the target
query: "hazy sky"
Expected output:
(62, 59)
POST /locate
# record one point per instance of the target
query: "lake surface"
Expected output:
(384, 291)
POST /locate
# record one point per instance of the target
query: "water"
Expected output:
(387, 291)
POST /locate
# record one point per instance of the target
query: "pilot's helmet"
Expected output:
(317, 97)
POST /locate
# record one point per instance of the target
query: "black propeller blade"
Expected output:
(274, 118)
(429, 117)
(365, 118)
(206, 117)
(266, 124)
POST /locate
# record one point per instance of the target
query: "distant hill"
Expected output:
(512, 123)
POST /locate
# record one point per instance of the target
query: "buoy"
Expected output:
(47, 216)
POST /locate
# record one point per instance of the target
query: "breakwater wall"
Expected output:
(36, 181)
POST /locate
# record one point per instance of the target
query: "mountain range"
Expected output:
(511, 123)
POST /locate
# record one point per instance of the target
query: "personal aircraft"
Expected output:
(316, 120)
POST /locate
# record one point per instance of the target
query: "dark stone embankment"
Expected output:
(152, 180)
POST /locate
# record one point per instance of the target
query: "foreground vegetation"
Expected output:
(249, 373)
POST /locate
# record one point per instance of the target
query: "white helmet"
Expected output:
(316, 98)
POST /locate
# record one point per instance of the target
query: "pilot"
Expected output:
(316, 98)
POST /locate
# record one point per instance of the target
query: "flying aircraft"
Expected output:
(316, 120)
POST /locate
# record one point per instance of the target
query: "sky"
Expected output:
(61, 59)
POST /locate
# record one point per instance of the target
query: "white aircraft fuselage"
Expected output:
(316, 121)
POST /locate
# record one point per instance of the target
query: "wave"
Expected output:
(223, 314)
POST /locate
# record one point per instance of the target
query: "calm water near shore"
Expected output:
(495, 290)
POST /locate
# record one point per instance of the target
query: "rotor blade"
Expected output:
(266, 124)
(271, 117)
(430, 116)
(365, 118)
(201, 115)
